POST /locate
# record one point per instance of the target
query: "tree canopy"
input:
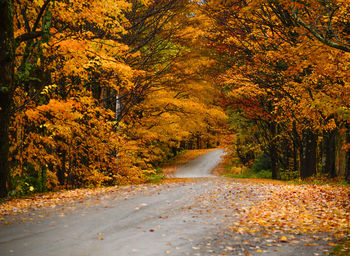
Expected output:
(101, 92)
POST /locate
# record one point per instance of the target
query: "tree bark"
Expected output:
(328, 161)
(275, 169)
(274, 163)
(118, 107)
(295, 157)
(347, 169)
(308, 154)
(296, 147)
(7, 53)
(61, 170)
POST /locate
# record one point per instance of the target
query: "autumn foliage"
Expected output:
(105, 91)
(284, 74)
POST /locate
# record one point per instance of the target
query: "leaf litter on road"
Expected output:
(301, 209)
(276, 215)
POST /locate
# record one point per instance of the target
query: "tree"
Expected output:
(265, 53)
(106, 90)
(7, 82)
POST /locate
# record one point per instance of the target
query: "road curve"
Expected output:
(144, 220)
(201, 166)
(179, 219)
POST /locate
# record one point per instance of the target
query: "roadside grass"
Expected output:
(321, 179)
(156, 177)
(232, 170)
(249, 174)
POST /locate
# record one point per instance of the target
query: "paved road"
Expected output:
(184, 218)
(150, 222)
(201, 166)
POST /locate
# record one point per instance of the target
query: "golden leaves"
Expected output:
(304, 209)
(70, 129)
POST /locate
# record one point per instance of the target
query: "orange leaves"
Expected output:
(304, 209)
(51, 200)
(283, 239)
(102, 13)
(93, 54)
(302, 78)
(67, 132)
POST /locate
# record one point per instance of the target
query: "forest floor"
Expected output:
(180, 216)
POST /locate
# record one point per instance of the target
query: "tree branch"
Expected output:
(28, 36)
(344, 47)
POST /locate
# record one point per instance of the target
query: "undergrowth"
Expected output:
(156, 177)
(250, 174)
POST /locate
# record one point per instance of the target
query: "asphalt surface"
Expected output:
(201, 166)
(164, 219)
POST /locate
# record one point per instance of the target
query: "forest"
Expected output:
(101, 92)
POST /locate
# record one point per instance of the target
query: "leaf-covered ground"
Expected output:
(278, 215)
(64, 198)
(302, 209)
(17, 206)
(256, 217)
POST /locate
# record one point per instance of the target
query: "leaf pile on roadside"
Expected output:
(301, 209)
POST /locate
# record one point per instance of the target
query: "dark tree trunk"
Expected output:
(296, 147)
(274, 162)
(295, 157)
(329, 153)
(286, 155)
(61, 170)
(347, 169)
(174, 150)
(273, 151)
(7, 49)
(308, 152)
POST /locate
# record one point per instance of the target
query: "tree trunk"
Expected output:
(296, 147)
(347, 169)
(308, 154)
(61, 170)
(274, 162)
(295, 157)
(275, 169)
(118, 107)
(7, 49)
(328, 161)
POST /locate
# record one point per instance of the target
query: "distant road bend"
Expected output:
(201, 166)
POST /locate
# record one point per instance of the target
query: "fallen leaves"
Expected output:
(50, 200)
(283, 239)
(303, 209)
(279, 214)
(261, 217)
(254, 208)
(71, 197)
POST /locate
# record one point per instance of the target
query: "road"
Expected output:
(182, 218)
(201, 166)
